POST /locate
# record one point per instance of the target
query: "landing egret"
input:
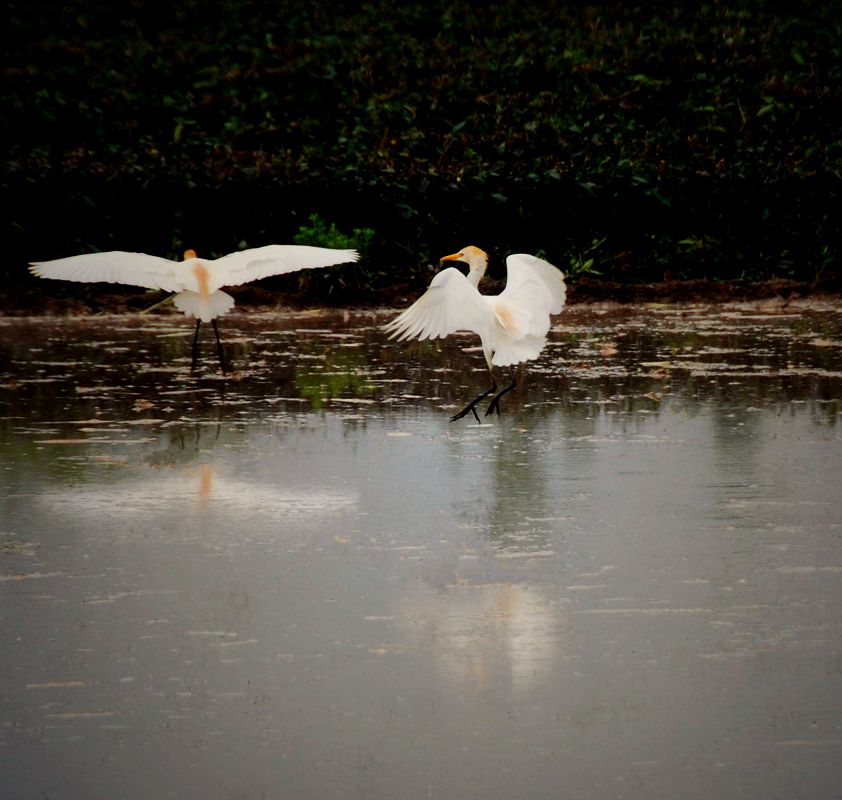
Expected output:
(197, 281)
(512, 326)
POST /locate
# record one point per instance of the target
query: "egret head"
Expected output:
(188, 254)
(475, 258)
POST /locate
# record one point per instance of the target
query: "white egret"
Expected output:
(512, 326)
(197, 281)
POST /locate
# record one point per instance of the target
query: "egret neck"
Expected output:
(475, 258)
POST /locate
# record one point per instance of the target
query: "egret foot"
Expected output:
(472, 405)
(219, 347)
(494, 405)
(195, 348)
(194, 351)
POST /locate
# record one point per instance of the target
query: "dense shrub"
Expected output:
(618, 140)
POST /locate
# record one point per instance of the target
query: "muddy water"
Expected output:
(303, 581)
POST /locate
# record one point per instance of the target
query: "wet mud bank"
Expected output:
(31, 299)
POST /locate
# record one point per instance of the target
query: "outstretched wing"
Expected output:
(114, 266)
(534, 290)
(450, 304)
(275, 259)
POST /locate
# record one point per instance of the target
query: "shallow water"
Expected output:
(304, 581)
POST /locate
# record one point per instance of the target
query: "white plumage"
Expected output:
(196, 280)
(512, 326)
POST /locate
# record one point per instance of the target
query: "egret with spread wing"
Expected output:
(197, 281)
(512, 326)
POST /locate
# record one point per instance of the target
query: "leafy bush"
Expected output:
(350, 281)
(697, 141)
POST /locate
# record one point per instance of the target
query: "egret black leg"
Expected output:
(472, 405)
(219, 346)
(494, 405)
(195, 349)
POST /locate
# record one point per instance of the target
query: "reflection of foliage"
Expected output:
(700, 139)
(319, 387)
(342, 375)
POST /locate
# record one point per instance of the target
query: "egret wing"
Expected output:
(450, 304)
(275, 259)
(114, 266)
(534, 290)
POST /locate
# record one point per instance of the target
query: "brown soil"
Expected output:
(97, 299)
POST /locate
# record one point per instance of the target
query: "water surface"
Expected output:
(304, 581)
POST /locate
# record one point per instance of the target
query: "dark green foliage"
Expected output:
(620, 141)
(351, 282)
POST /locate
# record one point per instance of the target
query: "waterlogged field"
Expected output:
(302, 580)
